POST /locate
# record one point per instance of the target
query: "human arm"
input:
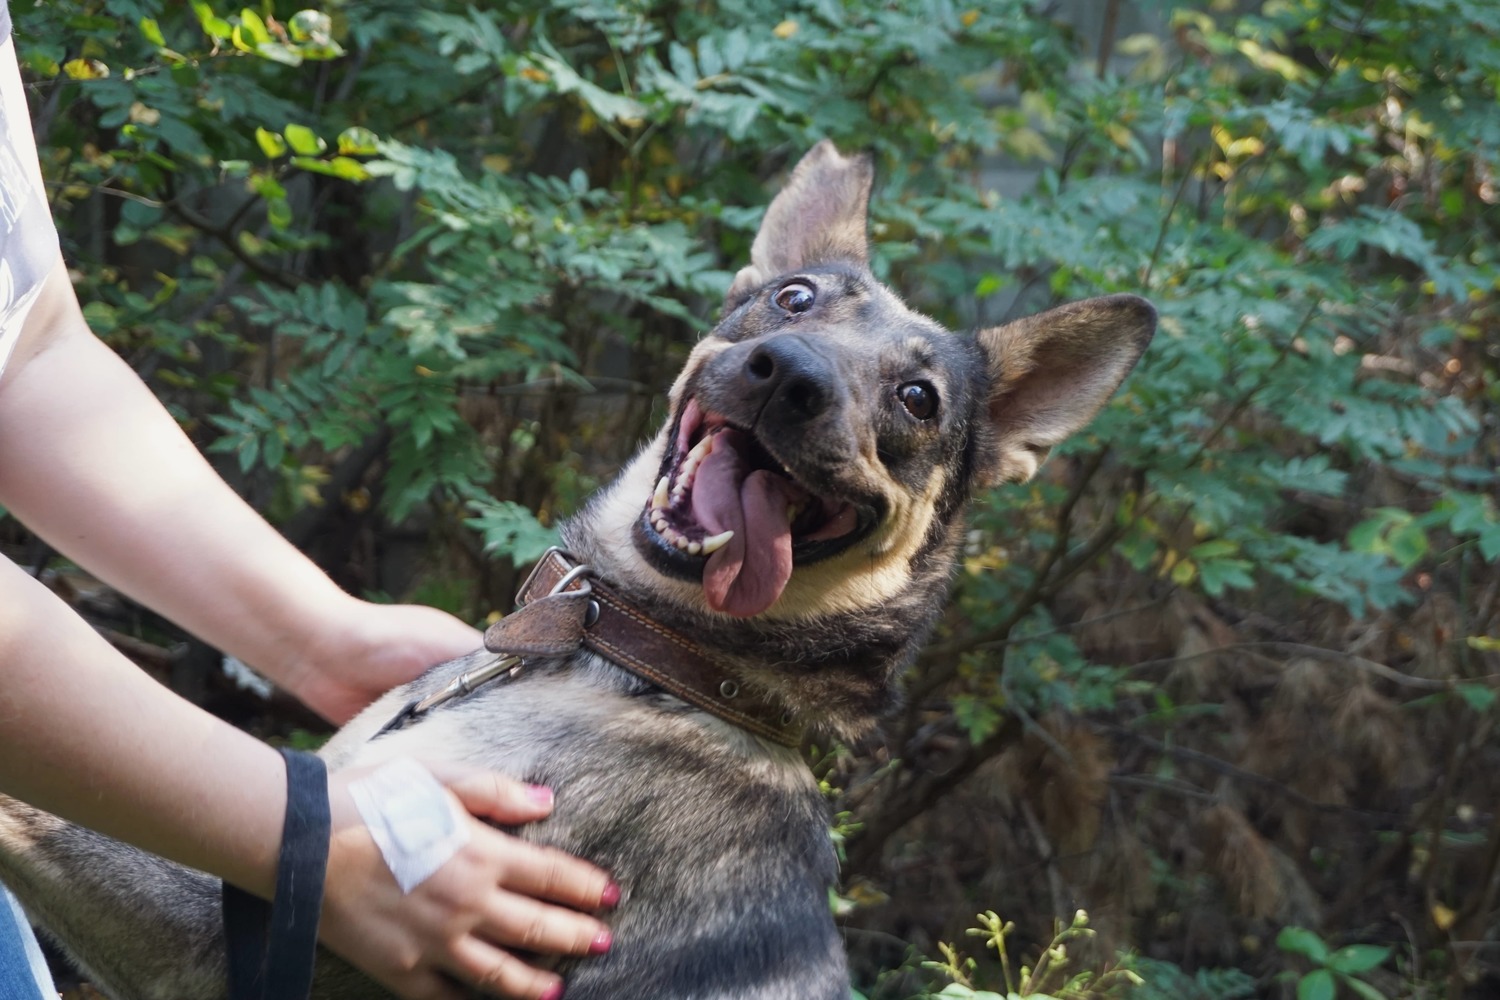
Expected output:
(92, 463)
(86, 735)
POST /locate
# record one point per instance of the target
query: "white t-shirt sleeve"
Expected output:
(28, 240)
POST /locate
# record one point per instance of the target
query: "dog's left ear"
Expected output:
(1050, 373)
(819, 217)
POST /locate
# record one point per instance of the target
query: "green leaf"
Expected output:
(310, 26)
(252, 26)
(1214, 549)
(1316, 985)
(509, 529)
(303, 140)
(358, 141)
(279, 52)
(270, 143)
(1358, 958)
(1478, 697)
(1364, 989)
(152, 31)
(1218, 574)
(279, 212)
(212, 24)
(1300, 941)
(339, 166)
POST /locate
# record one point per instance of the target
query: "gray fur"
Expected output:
(718, 838)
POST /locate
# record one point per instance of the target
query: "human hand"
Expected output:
(496, 893)
(362, 650)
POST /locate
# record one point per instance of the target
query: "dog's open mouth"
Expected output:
(726, 508)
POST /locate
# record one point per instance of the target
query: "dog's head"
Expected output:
(824, 437)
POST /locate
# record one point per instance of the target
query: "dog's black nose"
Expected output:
(789, 376)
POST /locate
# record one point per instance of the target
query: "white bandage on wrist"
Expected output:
(412, 819)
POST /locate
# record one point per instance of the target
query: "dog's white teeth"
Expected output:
(659, 522)
(660, 498)
(717, 542)
(791, 513)
(694, 458)
(701, 450)
(678, 540)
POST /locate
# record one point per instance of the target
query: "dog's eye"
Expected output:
(919, 398)
(795, 298)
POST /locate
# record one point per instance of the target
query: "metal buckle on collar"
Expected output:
(508, 667)
(578, 571)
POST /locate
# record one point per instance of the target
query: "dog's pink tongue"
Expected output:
(746, 576)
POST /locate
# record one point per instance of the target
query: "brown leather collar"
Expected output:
(619, 631)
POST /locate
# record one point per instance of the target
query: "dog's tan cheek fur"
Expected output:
(702, 354)
(872, 572)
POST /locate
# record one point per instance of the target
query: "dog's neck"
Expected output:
(630, 637)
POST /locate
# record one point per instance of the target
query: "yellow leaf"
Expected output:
(1248, 146)
(1138, 45)
(786, 29)
(1118, 134)
(1183, 572)
(968, 18)
(533, 74)
(1275, 62)
(86, 69)
(357, 500)
(1443, 917)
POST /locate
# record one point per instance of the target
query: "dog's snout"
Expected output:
(790, 376)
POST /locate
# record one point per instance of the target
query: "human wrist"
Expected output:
(308, 637)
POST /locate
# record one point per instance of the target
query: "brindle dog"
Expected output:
(799, 516)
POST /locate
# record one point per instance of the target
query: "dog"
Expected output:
(782, 548)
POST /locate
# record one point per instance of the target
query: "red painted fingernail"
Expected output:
(610, 896)
(601, 943)
(555, 993)
(542, 796)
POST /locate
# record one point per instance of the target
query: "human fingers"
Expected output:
(500, 973)
(551, 875)
(525, 924)
(491, 795)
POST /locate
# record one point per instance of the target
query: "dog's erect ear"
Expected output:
(1051, 373)
(820, 216)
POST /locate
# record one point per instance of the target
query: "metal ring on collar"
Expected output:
(577, 572)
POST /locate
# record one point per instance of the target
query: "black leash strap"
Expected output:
(272, 945)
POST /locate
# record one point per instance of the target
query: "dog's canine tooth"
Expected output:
(701, 450)
(716, 542)
(660, 498)
(694, 458)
